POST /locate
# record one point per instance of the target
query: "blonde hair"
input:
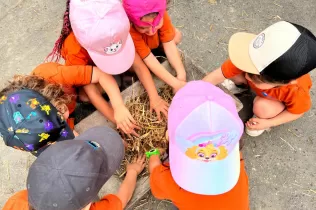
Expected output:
(52, 92)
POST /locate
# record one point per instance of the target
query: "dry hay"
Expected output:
(153, 132)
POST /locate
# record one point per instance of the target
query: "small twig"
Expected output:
(288, 144)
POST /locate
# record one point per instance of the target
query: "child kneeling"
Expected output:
(275, 65)
(69, 175)
(206, 170)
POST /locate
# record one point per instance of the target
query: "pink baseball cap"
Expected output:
(136, 9)
(204, 132)
(102, 28)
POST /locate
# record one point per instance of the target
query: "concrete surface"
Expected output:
(280, 164)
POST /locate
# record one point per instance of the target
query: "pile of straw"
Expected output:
(153, 132)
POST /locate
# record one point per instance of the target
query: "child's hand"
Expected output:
(75, 133)
(125, 121)
(137, 165)
(160, 106)
(178, 86)
(258, 124)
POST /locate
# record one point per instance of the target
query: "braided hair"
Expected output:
(66, 30)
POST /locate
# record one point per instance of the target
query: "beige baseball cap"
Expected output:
(280, 51)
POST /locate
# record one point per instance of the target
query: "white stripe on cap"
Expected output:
(272, 43)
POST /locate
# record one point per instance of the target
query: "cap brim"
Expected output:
(110, 141)
(238, 49)
(117, 63)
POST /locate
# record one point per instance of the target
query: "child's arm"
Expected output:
(215, 77)
(128, 186)
(98, 102)
(174, 58)
(283, 117)
(162, 73)
(154, 161)
(122, 116)
(156, 102)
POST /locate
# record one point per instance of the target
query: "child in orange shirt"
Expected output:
(72, 179)
(275, 65)
(106, 44)
(206, 170)
(152, 29)
(57, 83)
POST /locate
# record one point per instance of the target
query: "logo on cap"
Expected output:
(114, 47)
(259, 41)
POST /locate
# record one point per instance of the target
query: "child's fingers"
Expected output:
(158, 115)
(133, 132)
(143, 158)
(137, 127)
(131, 119)
(165, 113)
(166, 103)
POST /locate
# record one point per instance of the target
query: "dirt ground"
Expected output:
(280, 164)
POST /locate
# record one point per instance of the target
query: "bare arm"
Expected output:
(174, 58)
(283, 117)
(98, 102)
(154, 161)
(122, 116)
(109, 85)
(215, 77)
(128, 185)
(145, 77)
(162, 73)
(156, 102)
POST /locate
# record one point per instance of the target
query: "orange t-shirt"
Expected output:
(69, 77)
(295, 97)
(19, 201)
(73, 53)
(163, 186)
(144, 43)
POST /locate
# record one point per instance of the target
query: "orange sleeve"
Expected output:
(140, 45)
(229, 69)
(71, 123)
(161, 182)
(297, 101)
(108, 202)
(167, 31)
(65, 75)
(73, 53)
(18, 201)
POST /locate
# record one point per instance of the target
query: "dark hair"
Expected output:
(267, 79)
(65, 31)
(152, 15)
